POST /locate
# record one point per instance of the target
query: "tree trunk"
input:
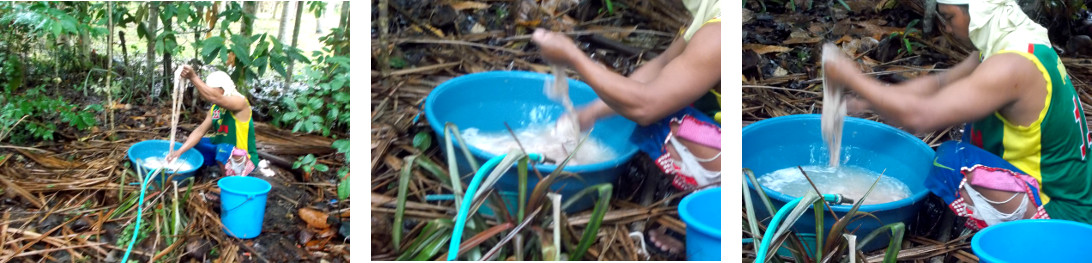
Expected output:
(153, 23)
(250, 8)
(124, 49)
(344, 21)
(284, 22)
(344, 25)
(197, 35)
(85, 41)
(295, 39)
(168, 74)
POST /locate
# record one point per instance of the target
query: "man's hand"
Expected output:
(556, 47)
(188, 73)
(856, 106)
(174, 155)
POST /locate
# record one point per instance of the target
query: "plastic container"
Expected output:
(158, 148)
(242, 205)
(701, 213)
(488, 100)
(788, 141)
(1047, 240)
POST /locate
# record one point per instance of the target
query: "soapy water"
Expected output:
(152, 163)
(849, 181)
(543, 139)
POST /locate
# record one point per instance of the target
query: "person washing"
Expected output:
(1024, 151)
(668, 97)
(231, 146)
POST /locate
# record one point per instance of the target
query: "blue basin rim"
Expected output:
(451, 85)
(900, 204)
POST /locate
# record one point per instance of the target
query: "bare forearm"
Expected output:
(206, 91)
(621, 94)
(888, 101)
(652, 68)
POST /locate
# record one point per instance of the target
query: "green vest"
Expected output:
(226, 129)
(1054, 149)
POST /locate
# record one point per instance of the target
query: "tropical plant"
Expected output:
(831, 245)
(532, 232)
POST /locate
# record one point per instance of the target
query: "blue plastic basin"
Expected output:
(487, 100)
(158, 148)
(1047, 240)
(789, 141)
(701, 213)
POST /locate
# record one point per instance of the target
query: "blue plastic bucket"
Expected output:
(1047, 240)
(788, 141)
(158, 148)
(701, 213)
(488, 100)
(242, 205)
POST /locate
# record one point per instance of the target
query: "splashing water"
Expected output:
(834, 111)
(542, 139)
(849, 181)
(152, 163)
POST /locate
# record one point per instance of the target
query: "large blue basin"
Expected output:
(793, 140)
(487, 100)
(140, 151)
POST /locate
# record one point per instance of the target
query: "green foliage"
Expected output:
(325, 106)
(309, 164)
(43, 112)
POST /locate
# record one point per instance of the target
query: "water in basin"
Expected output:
(541, 138)
(152, 163)
(849, 181)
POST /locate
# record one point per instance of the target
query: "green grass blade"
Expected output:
(818, 208)
(522, 166)
(432, 230)
(453, 165)
(895, 245)
(577, 196)
(499, 171)
(592, 228)
(555, 200)
(489, 255)
(462, 143)
(790, 220)
(752, 219)
(758, 188)
(434, 248)
(840, 225)
(845, 5)
(434, 169)
(400, 209)
(875, 233)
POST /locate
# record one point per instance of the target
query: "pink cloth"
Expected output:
(248, 166)
(998, 179)
(694, 130)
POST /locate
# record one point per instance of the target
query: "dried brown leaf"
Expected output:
(463, 5)
(763, 49)
(314, 218)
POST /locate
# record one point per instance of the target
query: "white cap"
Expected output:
(219, 79)
(954, 2)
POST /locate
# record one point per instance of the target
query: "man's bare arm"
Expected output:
(927, 85)
(598, 109)
(682, 80)
(989, 88)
